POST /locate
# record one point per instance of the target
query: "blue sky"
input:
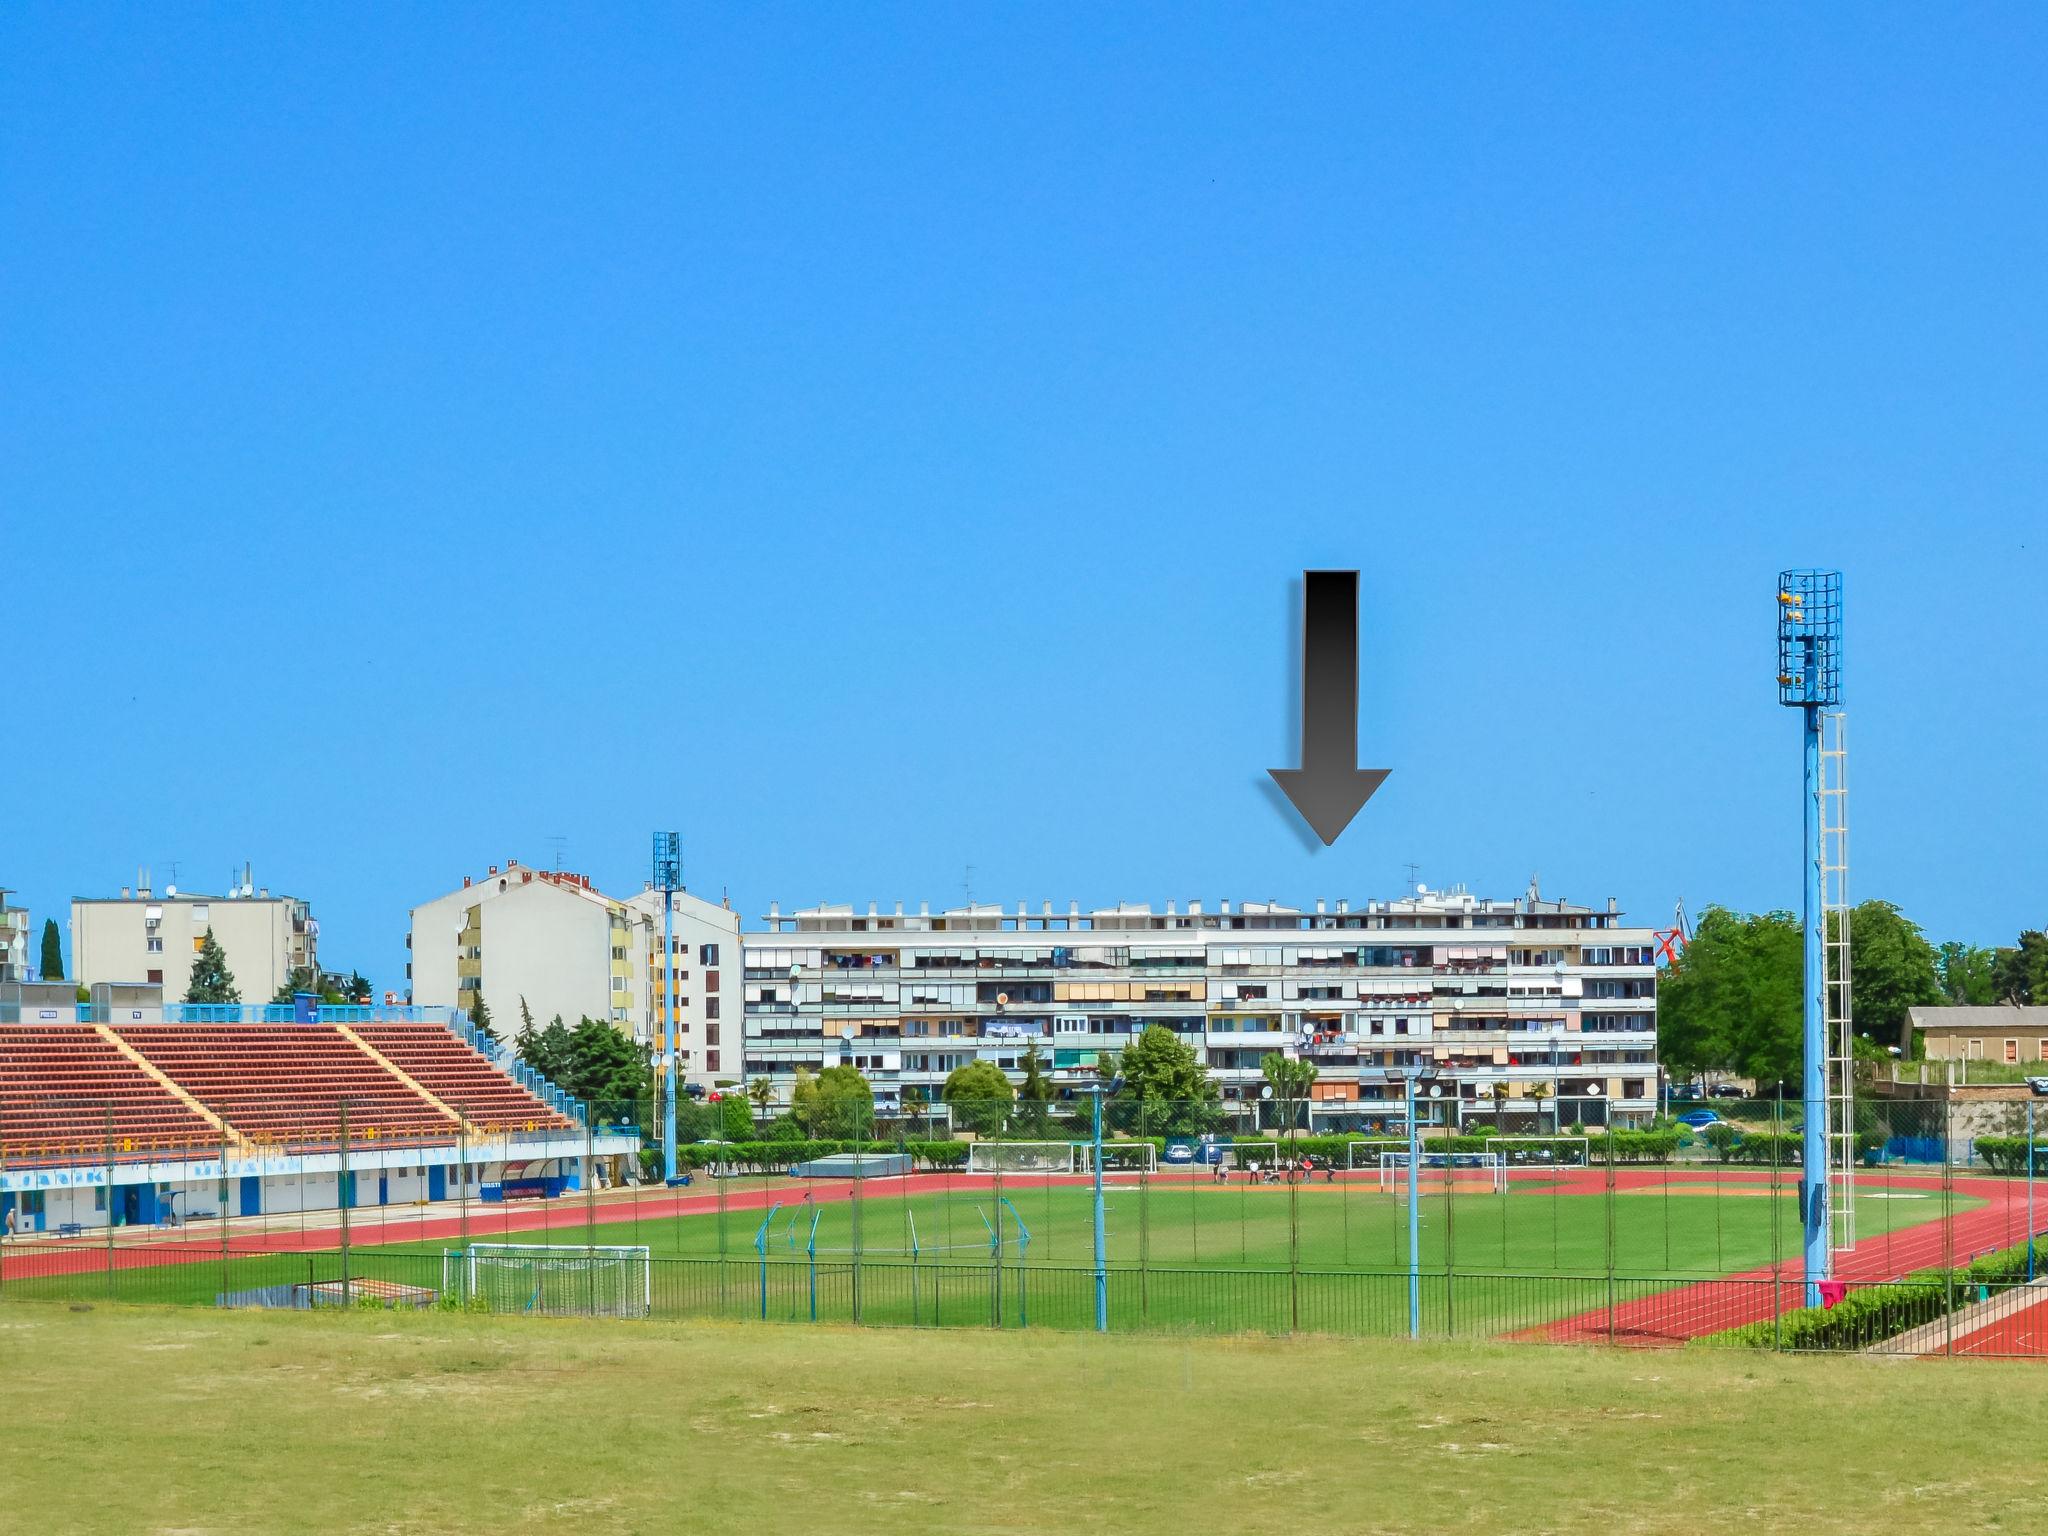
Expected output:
(878, 441)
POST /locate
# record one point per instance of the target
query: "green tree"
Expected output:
(762, 1092)
(52, 967)
(480, 1017)
(1166, 1081)
(211, 981)
(1735, 1004)
(548, 1051)
(605, 1065)
(1289, 1077)
(1034, 1096)
(837, 1105)
(736, 1117)
(979, 1094)
(357, 989)
(2020, 974)
(300, 980)
(1892, 969)
(1968, 974)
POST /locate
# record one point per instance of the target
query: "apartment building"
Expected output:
(149, 937)
(14, 961)
(553, 941)
(1528, 1009)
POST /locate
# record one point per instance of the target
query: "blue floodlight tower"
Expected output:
(1810, 679)
(668, 879)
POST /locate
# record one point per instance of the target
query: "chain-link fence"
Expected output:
(1070, 1212)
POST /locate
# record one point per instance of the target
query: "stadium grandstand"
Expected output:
(184, 1110)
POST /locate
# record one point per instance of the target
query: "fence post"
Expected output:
(2030, 1191)
(343, 1195)
(224, 1187)
(108, 1115)
(1948, 1231)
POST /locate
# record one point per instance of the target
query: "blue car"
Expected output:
(1697, 1118)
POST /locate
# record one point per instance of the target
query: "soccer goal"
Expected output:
(551, 1281)
(1118, 1157)
(1024, 1157)
(1443, 1169)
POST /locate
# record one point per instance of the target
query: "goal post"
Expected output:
(1516, 1153)
(1443, 1169)
(1118, 1157)
(1024, 1157)
(551, 1280)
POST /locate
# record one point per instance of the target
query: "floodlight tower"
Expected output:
(1810, 680)
(668, 879)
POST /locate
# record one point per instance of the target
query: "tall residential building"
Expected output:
(554, 942)
(14, 960)
(1553, 1005)
(144, 936)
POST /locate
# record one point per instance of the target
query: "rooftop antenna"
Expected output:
(559, 840)
(668, 879)
(1414, 873)
(967, 885)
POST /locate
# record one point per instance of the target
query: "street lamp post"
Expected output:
(1408, 1081)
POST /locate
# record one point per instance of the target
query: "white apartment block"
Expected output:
(14, 961)
(142, 936)
(554, 942)
(1554, 1003)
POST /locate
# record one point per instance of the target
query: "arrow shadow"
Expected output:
(1290, 723)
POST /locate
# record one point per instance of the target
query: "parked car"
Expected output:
(1698, 1119)
(2039, 1085)
(1686, 1092)
(1727, 1091)
(1180, 1152)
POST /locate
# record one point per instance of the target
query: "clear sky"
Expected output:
(878, 441)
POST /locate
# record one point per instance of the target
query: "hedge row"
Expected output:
(1871, 1314)
(776, 1156)
(2008, 1154)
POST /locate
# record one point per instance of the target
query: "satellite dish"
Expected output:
(1002, 999)
(170, 890)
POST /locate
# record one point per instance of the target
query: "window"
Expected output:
(711, 981)
(707, 954)
(2012, 1051)
(155, 945)
(156, 978)
(621, 983)
(710, 1007)
(1975, 1051)
(198, 943)
(2044, 1047)
(201, 912)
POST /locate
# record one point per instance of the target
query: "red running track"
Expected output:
(488, 1222)
(1671, 1317)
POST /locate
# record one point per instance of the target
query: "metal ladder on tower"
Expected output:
(1836, 998)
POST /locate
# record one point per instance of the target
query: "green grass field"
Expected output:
(242, 1424)
(1186, 1255)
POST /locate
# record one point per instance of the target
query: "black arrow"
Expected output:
(1329, 786)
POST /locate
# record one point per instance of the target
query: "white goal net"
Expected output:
(1024, 1157)
(552, 1281)
(1118, 1157)
(1441, 1169)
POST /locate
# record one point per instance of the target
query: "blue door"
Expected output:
(383, 1188)
(437, 1182)
(252, 1197)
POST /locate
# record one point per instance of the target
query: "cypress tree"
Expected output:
(212, 981)
(53, 952)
